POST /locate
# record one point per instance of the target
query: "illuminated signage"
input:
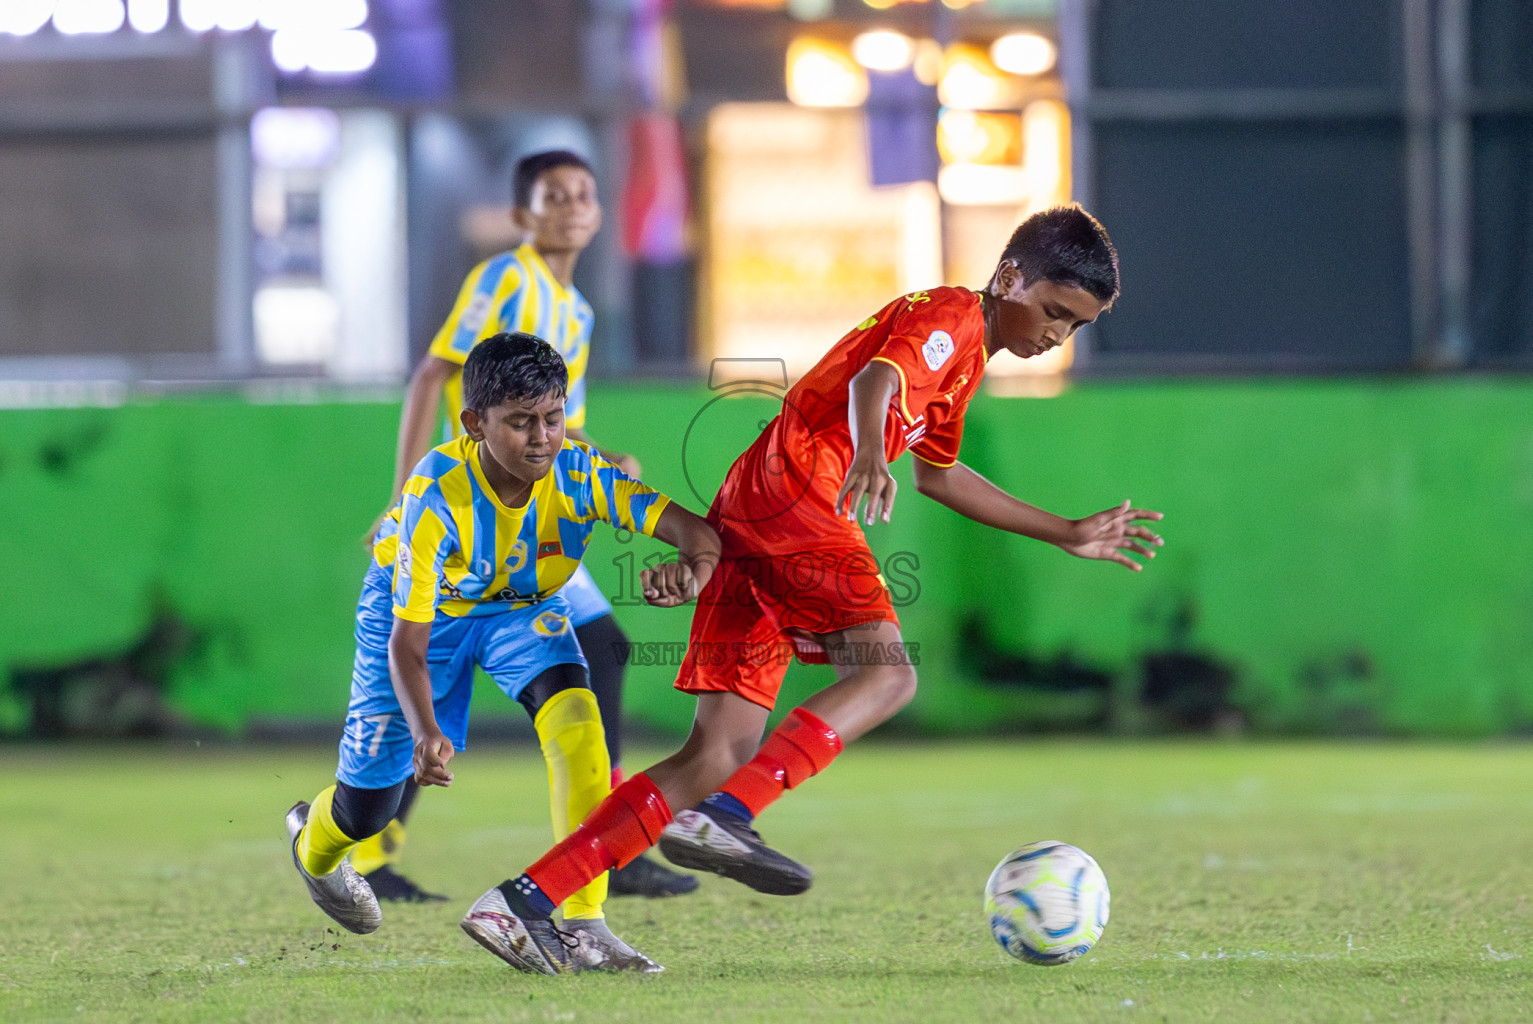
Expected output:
(321, 36)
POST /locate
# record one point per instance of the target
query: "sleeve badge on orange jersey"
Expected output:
(937, 349)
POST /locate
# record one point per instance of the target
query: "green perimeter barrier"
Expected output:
(1342, 555)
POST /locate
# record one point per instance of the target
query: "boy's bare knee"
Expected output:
(902, 686)
(897, 684)
(719, 752)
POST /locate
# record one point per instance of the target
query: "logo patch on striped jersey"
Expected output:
(516, 557)
(549, 548)
(551, 624)
(938, 348)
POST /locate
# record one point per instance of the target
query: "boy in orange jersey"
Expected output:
(796, 569)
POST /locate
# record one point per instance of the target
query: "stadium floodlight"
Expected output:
(88, 17)
(148, 16)
(313, 15)
(823, 74)
(24, 17)
(883, 50)
(347, 52)
(1023, 53)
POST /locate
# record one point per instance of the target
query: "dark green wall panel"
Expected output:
(1311, 524)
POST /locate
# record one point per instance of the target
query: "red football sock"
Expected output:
(802, 746)
(620, 828)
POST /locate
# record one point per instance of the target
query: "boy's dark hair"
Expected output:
(528, 168)
(511, 367)
(1068, 245)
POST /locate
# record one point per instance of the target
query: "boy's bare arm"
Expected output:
(697, 547)
(408, 642)
(868, 475)
(417, 423)
(1107, 535)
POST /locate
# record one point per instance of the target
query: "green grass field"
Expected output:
(1250, 882)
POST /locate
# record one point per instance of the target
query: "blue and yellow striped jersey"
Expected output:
(515, 291)
(456, 550)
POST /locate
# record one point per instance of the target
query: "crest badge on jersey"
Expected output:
(938, 348)
(551, 624)
(477, 313)
(516, 557)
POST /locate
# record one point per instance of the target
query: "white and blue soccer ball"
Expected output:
(1047, 903)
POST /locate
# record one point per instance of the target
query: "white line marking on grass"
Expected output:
(1262, 954)
(1251, 954)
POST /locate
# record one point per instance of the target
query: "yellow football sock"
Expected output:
(383, 848)
(579, 777)
(322, 845)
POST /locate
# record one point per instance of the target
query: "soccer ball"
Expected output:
(1047, 903)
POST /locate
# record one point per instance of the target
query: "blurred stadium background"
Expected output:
(228, 228)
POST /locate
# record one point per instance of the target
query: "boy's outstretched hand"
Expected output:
(1111, 533)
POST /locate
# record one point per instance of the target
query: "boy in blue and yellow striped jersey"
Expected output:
(530, 288)
(468, 570)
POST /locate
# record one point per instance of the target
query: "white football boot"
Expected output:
(533, 945)
(343, 894)
(598, 949)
